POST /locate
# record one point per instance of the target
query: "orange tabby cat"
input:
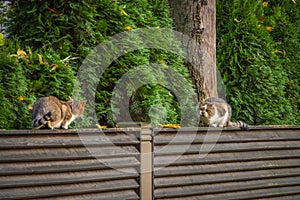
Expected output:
(50, 112)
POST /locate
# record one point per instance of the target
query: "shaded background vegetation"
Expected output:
(46, 42)
(258, 57)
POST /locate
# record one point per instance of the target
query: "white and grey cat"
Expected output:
(215, 112)
(51, 112)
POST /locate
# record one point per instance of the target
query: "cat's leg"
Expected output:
(222, 123)
(65, 127)
(50, 125)
(214, 125)
(65, 124)
(230, 124)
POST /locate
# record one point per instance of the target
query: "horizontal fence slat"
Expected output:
(67, 165)
(66, 153)
(225, 167)
(291, 196)
(287, 192)
(110, 131)
(184, 137)
(227, 187)
(66, 140)
(227, 147)
(225, 177)
(113, 195)
(66, 178)
(210, 158)
(70, 189)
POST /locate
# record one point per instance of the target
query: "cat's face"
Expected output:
(77, 106)
(206, 109)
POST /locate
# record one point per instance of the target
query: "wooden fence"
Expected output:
(263, 163)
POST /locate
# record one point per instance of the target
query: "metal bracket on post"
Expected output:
(146, 179)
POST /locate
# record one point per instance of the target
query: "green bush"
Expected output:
(26, 76)
(284, 18)
(256, 77)
(13, 90)
(257, 55)
(73, 28)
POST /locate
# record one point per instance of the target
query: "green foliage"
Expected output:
(286, 30)
(250, 57)
(59, 29)
(26, 76)
(258, 57)
(66, 26)
(13, 91)
(3, 14)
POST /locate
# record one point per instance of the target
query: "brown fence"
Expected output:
(56, 165)
(263, 163)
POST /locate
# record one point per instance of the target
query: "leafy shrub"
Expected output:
(284, 18)
(254, 74)
(26, 76)
(73, 28)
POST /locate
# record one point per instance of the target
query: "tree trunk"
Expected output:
(197, 19)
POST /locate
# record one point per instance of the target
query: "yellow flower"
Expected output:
(269, 28)
(128, 28)
(21, 53)
(41, 60)
(21, 98)
(265, 4)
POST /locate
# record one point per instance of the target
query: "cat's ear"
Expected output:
(70, 98)
(202, 102)
(83, 102)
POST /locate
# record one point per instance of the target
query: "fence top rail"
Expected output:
(136, 130)
(69, 131)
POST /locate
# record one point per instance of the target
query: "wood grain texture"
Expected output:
(263, 163)
(59, 164)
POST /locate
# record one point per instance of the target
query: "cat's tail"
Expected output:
(38, 123)
(239, 124)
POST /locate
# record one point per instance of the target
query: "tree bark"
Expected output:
(197, 19)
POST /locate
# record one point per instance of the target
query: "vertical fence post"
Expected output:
(146, 165)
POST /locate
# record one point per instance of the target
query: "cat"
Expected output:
(215, 112)
(51, 112)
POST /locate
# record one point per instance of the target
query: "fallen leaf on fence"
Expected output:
(170, 126)
(101, 127)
